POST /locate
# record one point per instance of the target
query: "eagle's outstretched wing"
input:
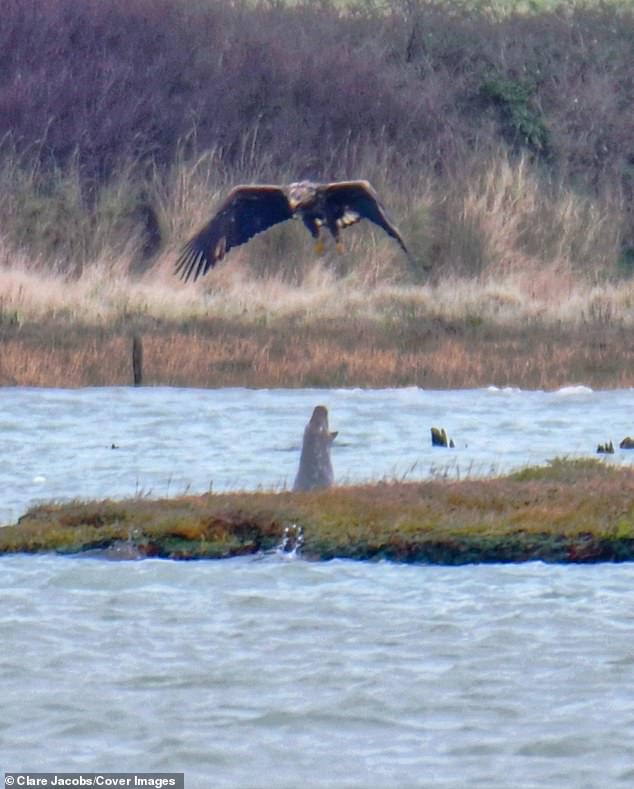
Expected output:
(246, 211)
(352, 201)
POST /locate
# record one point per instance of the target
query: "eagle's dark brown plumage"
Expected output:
(249, 210)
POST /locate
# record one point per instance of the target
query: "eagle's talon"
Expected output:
(339, 246)
(320, 247)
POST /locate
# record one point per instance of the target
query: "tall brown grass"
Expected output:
(101, 101)
(493, 243)
(234, 328)
(500, 144)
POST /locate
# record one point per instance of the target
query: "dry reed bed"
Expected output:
(568, 511)
(516, 283)
(500, 143)
(234, 329)
(223, 354)
(105, 293)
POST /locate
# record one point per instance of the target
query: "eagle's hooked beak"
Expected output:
(299, 193)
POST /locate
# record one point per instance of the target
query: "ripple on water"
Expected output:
(276, 673)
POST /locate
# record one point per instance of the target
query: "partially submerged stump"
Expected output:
(315, 466)
(439, 438)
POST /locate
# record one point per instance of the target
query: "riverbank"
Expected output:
(430, 353)
(567, 511)
(234, 329)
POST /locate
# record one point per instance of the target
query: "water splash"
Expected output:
(292, 542)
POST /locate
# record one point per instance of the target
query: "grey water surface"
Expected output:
(270, 673)
(276, 673)
(121, 442)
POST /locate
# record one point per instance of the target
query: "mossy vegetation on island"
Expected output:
(567, 511)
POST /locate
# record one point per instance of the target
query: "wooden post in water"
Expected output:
(137, 360)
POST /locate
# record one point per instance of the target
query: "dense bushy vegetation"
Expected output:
(408, 93)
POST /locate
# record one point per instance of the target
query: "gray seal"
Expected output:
(315, 467)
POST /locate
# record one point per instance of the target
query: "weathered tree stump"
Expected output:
(439, 438)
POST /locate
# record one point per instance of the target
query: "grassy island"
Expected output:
(567, 511)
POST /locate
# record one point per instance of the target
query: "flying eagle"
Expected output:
(249, 210)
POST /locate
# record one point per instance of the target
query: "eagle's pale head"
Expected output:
(301, 193)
